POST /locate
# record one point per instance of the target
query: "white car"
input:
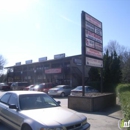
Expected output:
(30, 110)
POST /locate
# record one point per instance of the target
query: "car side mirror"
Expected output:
(13, 106)
(58, 102)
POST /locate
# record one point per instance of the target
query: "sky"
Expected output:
(31, 29)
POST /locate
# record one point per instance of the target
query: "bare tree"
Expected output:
(115, 46)
(2, 63)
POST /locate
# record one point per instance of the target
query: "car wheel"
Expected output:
(26, 127)
(62, 94)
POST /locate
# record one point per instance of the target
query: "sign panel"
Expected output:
(89, 43)
(93, 36)
(42, 59)
(98, 46)
(93, 52)
(90, 26)
(18, 63)
(98, 31)
(77, 61)
(28, 61)
(53, 71)
(93, 20)
(59, 56)
(94, 62)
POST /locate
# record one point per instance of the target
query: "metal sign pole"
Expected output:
(83, 51)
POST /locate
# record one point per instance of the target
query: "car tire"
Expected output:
(26, 127)
(62, 94)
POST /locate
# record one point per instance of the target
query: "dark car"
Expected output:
(43, 87)
(19, 85)
(60, 90)
(4, 86)
(78, 90)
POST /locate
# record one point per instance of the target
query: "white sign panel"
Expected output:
(42, 59)
(93, 20)
(28, 61)
(90, 26)
(98, 31)
(18, 63)
(93, 52)
(94, 62)
(93, 36)
(92, 44)
(89, 43)
(59, 56)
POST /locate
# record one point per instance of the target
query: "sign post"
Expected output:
(92, 44)
(83, 51)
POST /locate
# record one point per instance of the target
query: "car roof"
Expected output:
(24, 92)
(84, 86)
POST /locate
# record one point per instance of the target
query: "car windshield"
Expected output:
(59, 86)
(79, 88)
(36, 101)
(3, 84)
(36, 86)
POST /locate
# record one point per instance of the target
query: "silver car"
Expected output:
(78, 90)
(60, 90)
(30, 110)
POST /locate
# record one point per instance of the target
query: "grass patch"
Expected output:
(123, 92)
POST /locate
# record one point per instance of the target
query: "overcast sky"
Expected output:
(31, 29)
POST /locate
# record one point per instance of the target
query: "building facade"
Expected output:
(64, 70)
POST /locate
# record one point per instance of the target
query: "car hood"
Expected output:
(54, 116)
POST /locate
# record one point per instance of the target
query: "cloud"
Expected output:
(69, 20)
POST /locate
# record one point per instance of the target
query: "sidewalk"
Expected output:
(106, 119)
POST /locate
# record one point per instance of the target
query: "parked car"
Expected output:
(43, 87)
(28, 87)
(60, 90)
(4, 86)
(19, 85)
(29, 110)
(78, 90)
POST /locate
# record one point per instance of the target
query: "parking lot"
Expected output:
(103, 120)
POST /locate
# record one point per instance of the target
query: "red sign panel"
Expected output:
(93, 20)
(93, 52)
(93, 36)
(53, 71)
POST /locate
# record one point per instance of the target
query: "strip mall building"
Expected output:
(60, 70)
